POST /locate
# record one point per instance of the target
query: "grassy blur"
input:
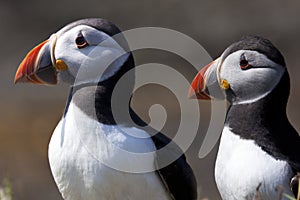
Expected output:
(6, 190)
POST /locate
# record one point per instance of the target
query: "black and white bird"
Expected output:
(259, 148)
(90, 151)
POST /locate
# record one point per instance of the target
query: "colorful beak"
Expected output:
(37, 66)
(206, 85)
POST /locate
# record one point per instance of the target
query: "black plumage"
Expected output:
(259, 44)
(178, 176)
(265, 121)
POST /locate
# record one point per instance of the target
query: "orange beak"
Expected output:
(37, 66)
(198, 85)
(205, 85)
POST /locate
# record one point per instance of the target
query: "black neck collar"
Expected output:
(266, 122)
(95, 99)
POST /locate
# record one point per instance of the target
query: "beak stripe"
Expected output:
(198, 85)
(53, 40)
(27, 66)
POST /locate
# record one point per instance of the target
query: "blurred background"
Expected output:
(29, 113)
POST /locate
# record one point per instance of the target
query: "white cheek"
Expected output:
(92, 63)
(66, 50)
(252, 84)
(99, 65)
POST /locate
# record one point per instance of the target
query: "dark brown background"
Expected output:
(29, 113)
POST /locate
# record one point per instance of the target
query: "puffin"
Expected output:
(97, 151)
(259, 150)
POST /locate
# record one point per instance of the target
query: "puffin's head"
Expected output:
(81, 52)
(247, 71)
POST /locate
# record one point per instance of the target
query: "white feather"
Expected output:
(80, 170)
(242, 165)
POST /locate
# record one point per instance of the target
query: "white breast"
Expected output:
(242, 165)
(78, 150)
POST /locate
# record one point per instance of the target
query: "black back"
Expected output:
(178, 177)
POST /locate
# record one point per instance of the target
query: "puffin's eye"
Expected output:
(244, 64)
(80, 41)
